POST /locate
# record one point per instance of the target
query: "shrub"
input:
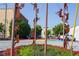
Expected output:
(1, 27)
(39, 51)
(24, 28)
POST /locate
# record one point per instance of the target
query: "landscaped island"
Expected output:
(39, 51)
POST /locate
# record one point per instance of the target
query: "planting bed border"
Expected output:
(7, 51)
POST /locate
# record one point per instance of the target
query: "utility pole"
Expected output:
(45, 45)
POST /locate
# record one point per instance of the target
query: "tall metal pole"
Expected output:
(5, 20)
(64, 25)
(13, 32)
(36, 10)
(15, 28)
(63, 13)
(45, 45)
(75, 18)
(35, 22)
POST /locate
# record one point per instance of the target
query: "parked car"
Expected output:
(51, 36)
(69, 38)
(60, 37)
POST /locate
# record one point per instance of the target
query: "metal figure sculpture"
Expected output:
(64, 15)
(17, 10)
(60, 14)
(66, 6)
(36, 9)
(18, 6)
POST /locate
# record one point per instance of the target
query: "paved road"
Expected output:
(7, 44)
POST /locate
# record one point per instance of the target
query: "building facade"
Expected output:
(9, 17)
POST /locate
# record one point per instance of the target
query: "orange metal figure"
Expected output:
(67, 28)
(67, 16)
(17, 39)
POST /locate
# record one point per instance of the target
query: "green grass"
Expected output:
(39, 51)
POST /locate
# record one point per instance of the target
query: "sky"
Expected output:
(53, 18)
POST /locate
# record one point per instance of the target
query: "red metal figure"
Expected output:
(60, 13)
(17, 16)
(17, 10)
(67, 28)
(63, 13)
(66, 6)
(66, 17)
(65, 43)
(35, 6)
